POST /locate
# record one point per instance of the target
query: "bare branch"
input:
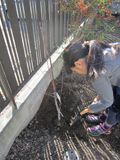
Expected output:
(53, 82)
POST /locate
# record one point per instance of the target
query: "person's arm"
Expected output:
(104, 90)
(94, 101)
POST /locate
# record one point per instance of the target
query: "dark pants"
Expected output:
(114, 110)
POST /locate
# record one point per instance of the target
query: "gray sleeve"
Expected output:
(104, 90)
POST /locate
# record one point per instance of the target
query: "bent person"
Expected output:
(100, 62)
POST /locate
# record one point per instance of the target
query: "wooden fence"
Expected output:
(21, 45)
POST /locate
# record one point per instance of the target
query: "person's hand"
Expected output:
(89, 110)
(96, 99)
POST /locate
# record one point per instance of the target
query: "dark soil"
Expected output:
(43, 139)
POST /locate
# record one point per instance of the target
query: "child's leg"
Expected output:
(111, 119)
(113, 111)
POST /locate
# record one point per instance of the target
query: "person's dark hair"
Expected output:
(94, 50)
(72, 54)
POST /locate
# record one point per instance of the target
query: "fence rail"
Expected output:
(21, 46)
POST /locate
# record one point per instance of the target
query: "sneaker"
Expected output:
(98, 130)
(93, 119)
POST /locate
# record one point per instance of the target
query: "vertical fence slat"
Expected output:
(58, 12)
(56, 22)
(53, 5)
(61, 24)
(40, 21)
(30, 30)
(6, 64)
(17, 36)
(47, 25)
(24, 34)
(43, 18)
(10, 42)
(5, 30)
(68, 21)
(37, 33)
(51, 31)
(64, 24)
